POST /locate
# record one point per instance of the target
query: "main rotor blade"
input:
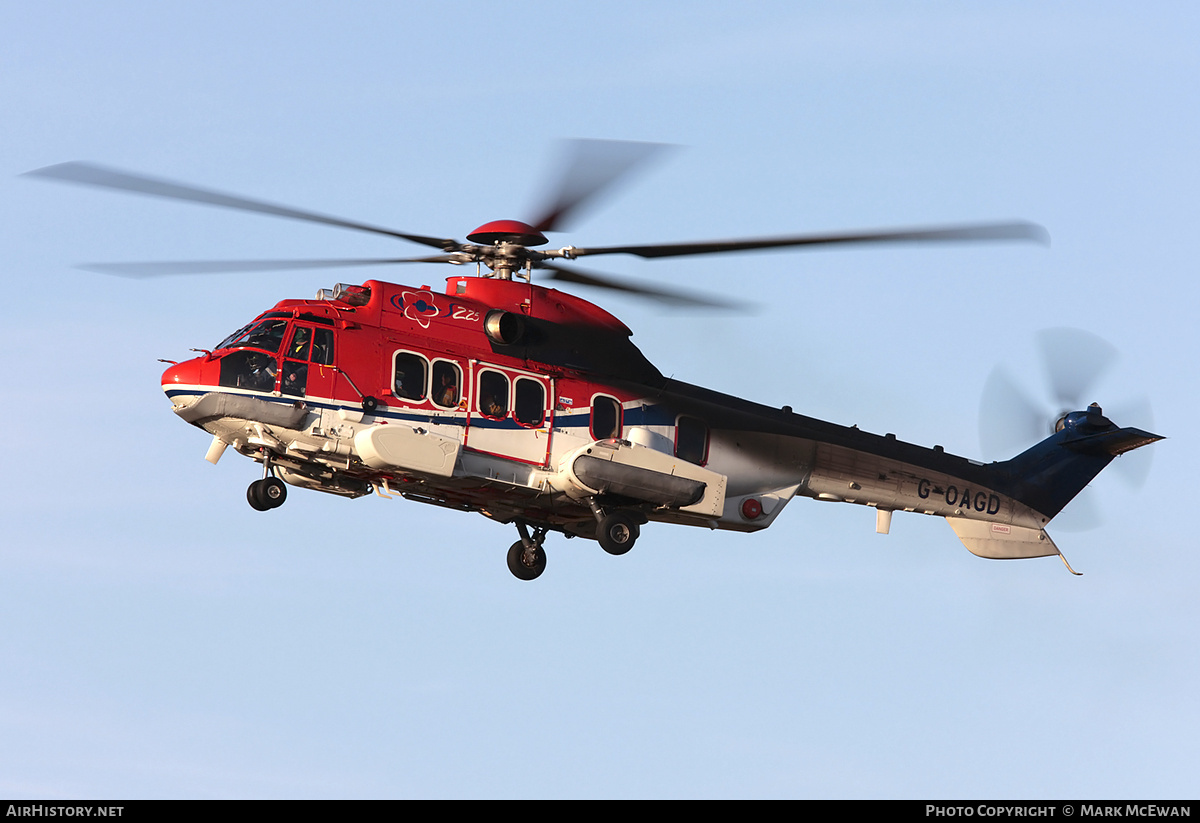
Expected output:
(1074, 360)
(944, 234)
(589, 168)
(575, 275)
(168, 268)
(86, 174)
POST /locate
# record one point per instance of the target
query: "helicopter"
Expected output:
(533, 407)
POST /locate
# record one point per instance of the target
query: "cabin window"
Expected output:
(530, 406)
(409, 377)
(493, 394)
(691, 440)
(606, 418)
(447, 384)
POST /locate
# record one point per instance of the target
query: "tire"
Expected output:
(369, 404)
(254, 496)
(517, 565)
(272, 492)
(617, 533)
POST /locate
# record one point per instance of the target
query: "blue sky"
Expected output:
(162, 639)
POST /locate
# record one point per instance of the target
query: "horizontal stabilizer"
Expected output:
(1000, 541)
(1115, 442)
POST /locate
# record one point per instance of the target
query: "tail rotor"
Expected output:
(1013, 417)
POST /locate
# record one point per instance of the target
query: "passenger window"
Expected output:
(530, 407)
(691, 440)
(493, 394)
(409, 381)
(447, 378)
(606, 418)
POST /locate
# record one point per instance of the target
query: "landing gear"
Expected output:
(617, 532)
(526, 564)
(268, 493)
(265, 494)
(526, 557)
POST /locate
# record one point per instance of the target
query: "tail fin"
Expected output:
(1046, 478)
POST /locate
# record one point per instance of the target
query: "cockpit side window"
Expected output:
(254, 370)
(322, 350)
(301, 341)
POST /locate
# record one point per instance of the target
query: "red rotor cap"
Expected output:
(507, 231)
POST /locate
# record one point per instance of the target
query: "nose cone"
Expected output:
(187, 373)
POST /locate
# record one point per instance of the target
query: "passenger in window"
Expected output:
(406, 385)
(448, 392)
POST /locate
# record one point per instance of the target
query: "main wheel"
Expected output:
(272, 491)
(617, 532)
(266, 494)
(254, 496)
(521, 569)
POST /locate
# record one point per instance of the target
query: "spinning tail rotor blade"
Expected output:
(1074, 361)
(86, 174)
(1009, 421)
(1134, 467)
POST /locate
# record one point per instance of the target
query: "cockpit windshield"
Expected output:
(266, 335)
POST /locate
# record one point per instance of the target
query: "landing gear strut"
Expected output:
(267, 493)
(526, 557)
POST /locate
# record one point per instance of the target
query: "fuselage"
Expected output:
(526, 403)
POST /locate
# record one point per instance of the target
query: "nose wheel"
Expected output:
(269, 492)
(526, 557)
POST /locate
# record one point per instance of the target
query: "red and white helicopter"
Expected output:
(533, 407)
